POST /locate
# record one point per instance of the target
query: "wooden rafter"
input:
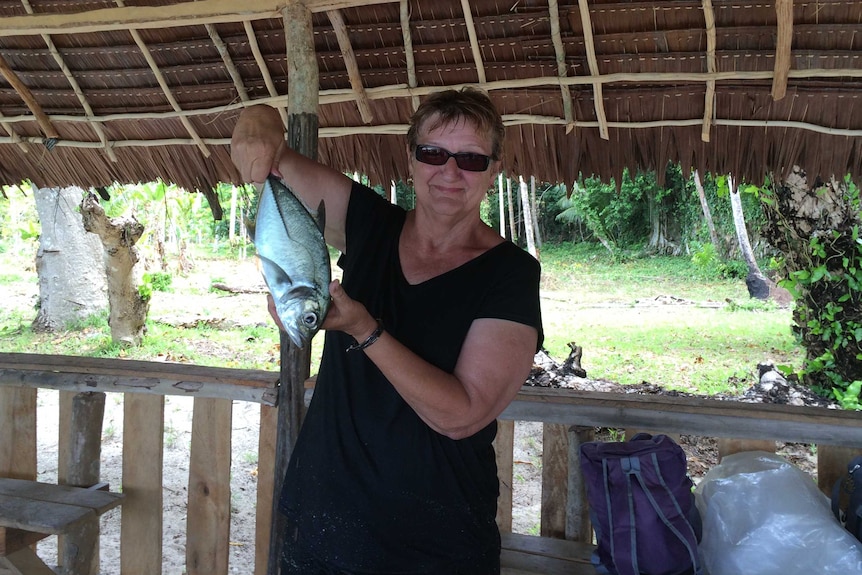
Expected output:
(171, 15)
(562, 69)
(589, 43)
(264, 69)
(160, 78)
(13, 135)
(783, 46)
(27, 96)
(73, 82)
(340, 28)
(474, 41)
(709, 99)
(408, 49)
(228, 62)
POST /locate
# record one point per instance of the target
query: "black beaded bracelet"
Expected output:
(375, 335)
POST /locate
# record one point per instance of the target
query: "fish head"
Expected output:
(301, 310)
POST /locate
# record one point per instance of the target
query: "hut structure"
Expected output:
(94, 92)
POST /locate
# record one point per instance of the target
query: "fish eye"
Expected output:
(309, 319)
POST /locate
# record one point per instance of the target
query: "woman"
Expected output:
(429, 337)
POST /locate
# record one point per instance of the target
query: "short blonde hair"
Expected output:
(451, 106)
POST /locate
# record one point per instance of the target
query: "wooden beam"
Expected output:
(408, 50)
(709, 98)
(562, 68)
(783, 47)
(474, 41)
(28, 98)
(167, 16)
(73, 82)
(73, 373)
(710, 417)
(166, 90)
(228, 62)
(264, 69)
(340, 28)
(590, 46)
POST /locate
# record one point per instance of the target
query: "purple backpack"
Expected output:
(641, 507)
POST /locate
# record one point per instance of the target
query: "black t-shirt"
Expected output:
(370, 486)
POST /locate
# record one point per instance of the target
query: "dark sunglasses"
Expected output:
(467, 161)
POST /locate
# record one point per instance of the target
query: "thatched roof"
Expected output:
(151, 88)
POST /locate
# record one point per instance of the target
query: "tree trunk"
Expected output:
(660, 241)
(513, 231)
(707, 214)
(535, 213)
(501, 202)
(816, 227)
(758, 285)
(128, 306)
(528, 218)
(68, 263)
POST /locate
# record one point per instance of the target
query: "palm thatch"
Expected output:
(96, 91)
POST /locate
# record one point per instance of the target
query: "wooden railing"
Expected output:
(569, 418)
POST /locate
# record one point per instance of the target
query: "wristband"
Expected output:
(375, 335)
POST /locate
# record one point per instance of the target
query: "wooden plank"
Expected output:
(265, 486)
(208, 527)
(542, 555)
(18, 430)
(708, 417)
(88, 499)
(107, 374)
(504, 444)
(40, 516)
(143, 449)
(555, 480)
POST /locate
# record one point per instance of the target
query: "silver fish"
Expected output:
(290, 244)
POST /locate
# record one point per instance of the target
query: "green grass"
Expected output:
(710, 344)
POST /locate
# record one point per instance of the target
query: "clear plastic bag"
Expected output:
(764, 516)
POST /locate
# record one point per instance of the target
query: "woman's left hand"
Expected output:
(348, 315)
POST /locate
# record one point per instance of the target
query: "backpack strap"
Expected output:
(678, 524)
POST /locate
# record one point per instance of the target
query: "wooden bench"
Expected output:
(31, 511)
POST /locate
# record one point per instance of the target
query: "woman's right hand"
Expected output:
(255, 143)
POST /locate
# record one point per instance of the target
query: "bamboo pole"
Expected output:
(27, 96)
(783, 46)
(474, 40)
(340, 28)
(264, 69)
(560, 54)
(231, 68)
(709, 98)
(410, 61)
(590, 45)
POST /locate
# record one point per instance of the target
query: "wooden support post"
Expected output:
(504, 443)
(730, 446)
(555, 482)
(78, 549)
(578, 527)
(303, 124)
(832, 465)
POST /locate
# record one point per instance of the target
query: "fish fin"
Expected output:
(276, 272)
(321, 217)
